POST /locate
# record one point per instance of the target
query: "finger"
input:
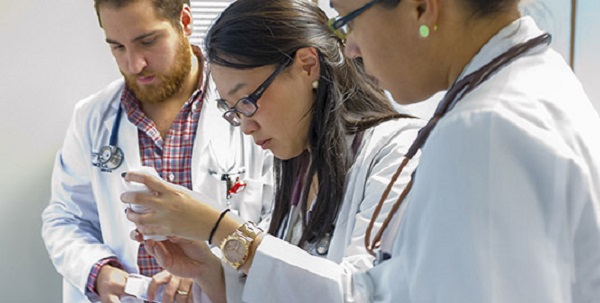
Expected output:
(162, 254)
(113, 299)
(139, 198)
(152, 182)
(171, 290)
(160, 278)
(182, 296)
(135, 235)
(159, 251)
(143, 222)
(184, 292)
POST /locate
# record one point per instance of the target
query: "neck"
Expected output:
(163, 113)
(471, 37)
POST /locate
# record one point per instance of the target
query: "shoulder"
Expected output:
(101, 99)
(388, 140)
(400, 131)
(90, 112)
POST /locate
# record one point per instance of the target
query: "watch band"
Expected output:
(250, 229)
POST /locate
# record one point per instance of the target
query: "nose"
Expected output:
(248, 125)
(351, 49)
(136, 62)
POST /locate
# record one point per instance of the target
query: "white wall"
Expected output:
(587, 49)
(52, 55)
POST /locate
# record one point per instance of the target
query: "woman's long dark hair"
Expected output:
(254, 33)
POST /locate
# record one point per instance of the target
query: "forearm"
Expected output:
(72, 249)
(212, 280)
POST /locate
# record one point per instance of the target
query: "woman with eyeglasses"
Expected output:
(505, 203)
(282, 78)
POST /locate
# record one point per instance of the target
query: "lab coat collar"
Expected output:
(209, 127)
(517, 32)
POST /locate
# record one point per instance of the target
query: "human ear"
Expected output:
(186, 20)
(427, 13)
(308, 60)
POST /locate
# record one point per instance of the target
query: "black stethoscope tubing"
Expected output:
(114, 133)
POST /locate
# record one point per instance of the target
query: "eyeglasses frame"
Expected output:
(231, 114)
(336, 23)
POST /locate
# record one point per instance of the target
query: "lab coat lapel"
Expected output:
(127, 138)
(128, 141)
(204, 135)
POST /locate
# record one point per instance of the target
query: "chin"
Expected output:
(286, 155)
(404, 97)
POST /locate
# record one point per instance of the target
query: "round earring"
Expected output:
(424, 31)
(315, 84)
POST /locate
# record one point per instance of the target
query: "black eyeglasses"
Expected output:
(339, 25)
(247, 105)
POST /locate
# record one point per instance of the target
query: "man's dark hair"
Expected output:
(168, 9)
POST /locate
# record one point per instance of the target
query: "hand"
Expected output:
(172, 211)
(184, 258)
(176, 289)
(110, 284)
(192, 259)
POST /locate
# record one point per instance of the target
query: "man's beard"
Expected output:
(170, 82)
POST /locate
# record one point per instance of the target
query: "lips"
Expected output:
(145, 79)
(264, 144)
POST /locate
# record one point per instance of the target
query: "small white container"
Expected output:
(139, 187)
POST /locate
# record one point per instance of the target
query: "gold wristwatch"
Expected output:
(236, 247)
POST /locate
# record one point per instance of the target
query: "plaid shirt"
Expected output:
(172, 159)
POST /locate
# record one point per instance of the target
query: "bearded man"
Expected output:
(158, 115)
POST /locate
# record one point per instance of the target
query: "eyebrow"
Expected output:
(138, 38)
(236, 88)
(332, 4)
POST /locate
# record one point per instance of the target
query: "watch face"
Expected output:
(234, 250)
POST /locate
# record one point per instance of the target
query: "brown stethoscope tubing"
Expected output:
(573, 34)
(464, 86)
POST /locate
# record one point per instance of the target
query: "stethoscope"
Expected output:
(456, 92)
(110, 156)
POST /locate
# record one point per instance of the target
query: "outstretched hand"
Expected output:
(181, 257)
(190, 259)
(171, 209)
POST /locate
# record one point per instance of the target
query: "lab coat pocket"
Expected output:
(249, 201)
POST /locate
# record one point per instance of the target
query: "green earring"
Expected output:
(424, 31)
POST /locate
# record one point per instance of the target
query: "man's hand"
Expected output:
(110, 284)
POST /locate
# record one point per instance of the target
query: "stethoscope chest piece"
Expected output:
(322, 246)
(109, 157)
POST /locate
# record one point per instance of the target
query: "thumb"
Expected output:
(113, 299)
(153, 182)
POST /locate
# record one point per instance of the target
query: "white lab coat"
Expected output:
(505, 205)
(85, 220)
(282, 272)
